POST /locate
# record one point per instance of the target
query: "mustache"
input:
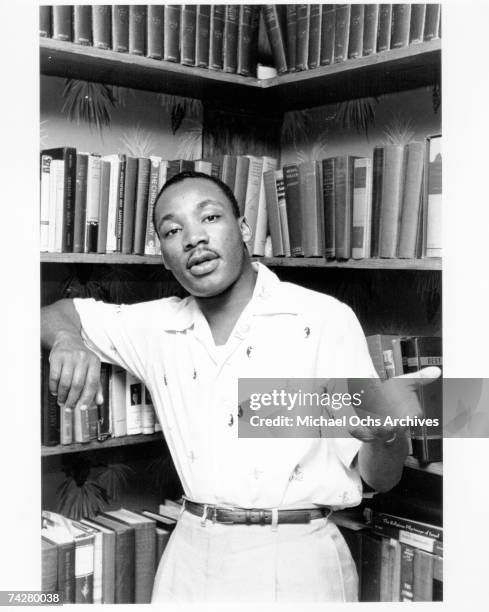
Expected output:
(200, 256)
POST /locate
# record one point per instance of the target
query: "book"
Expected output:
(44, 201)
(437, 587)
(65, 424)
(362, 208)
(282, 209)
(84, 561)
(151, 238)
(329, 206)
(228, 170)
(102, 26)
(103, 205)
(311, 196)
(314, 52)
(416, 27)
(62, 19)
(81, 431)
(216, 34)
(188, 19)
(401, 20)
(390, 570)
(114, 162)
(56, 205)
(93, 203)
(50, 413)
(230, 39)
(104, 416)
(141, 209)
(108, 560)
(291, 35)
(120, 28)
(260, 231)
(419, 535)
(371, 568)
(343, 196)
(377, 187)
(252, 195)
(80, 203)
(45, 22)
(390, 208)
(432, 22)
(342, 32)
(328, 19)
(145, 551)
(134, 405)
(422, 576)
(433, 197)
(370, 28)
(202, 33)
(162, 538)
(384, 29)
(130, 187)
(49, 568)
(148, 413)
(302, 37)
(411, 199)
(385, 354)
(61, 537)
(167, 520)
(407, 572)
(249, 15)
(171, 34)
(154, 31)
(355, 38)
(137, 29)
(294, 209)
(241, 181)
(82, 24)
(117, 391)
(273, 212)
(97, 559)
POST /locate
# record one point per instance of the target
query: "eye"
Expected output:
(211, 218)
(171, 232)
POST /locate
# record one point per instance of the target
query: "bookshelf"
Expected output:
(60, 449)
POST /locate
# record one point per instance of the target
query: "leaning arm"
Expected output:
(381, 464)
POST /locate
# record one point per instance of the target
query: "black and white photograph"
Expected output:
(259, 257)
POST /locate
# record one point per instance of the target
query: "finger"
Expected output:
(64, 384)
(55, 367)
(77, 384)
(424, 376)
(92, 383)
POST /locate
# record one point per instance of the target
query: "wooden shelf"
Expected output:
(430, 263)
(61, 449)
(431, 468)
(394, 70)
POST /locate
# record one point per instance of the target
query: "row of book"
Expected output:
(394, 355)
(305, 36)
(398, 559)
(109, 558)
(127, 410)
(219, 37)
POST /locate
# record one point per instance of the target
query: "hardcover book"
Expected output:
(82, 24)
(202, 33)
(137, 29)
(154, 31)
(355, 39)
(314, 36)
(328, 19)
(120, 28)
(187, 34)
(302, 36)
(342, 32)
(102, 25)
(171, 36)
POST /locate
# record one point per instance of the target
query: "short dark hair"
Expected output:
(192, 174)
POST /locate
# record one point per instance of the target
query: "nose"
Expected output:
(193, 235)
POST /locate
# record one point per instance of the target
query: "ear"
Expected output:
(245, 229)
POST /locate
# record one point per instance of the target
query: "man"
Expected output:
(239, 321)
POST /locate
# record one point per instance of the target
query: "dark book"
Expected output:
(371, 567)
(328, 175)
(187, 34)
(216, 34)
(137, 29)
(45, 22)
(202, 33)
(50, 411)
(416, 28)
(328, 19)
(411, 199)
(230, 38)
(175, 166)
(120, 206)
(241, 181)
(311, 195)
(80, 208)
(62, 22)
(294, 209)
(124, 557)
(342, 32)
(120, 28)
(407, 572)
(103, 206)
(130, 187)
(370, 27)
(390, 208)
(401, 20)
(314, 36)
(141, 210)
(343, 195)
(171, 35)
(377, 180)
(154, 31)
(103, 425)
(228, 172)
(355, 39)
(49, 569)
(432, 22)
(302, 36)
(249, 15)
(102, 26)
(82, 24)
(93, 203)
(291, 35)
(68, 156)
(384, 29)
(108, 560)
(65, 546)
(437, 587)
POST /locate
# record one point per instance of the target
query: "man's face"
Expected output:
(201, 239)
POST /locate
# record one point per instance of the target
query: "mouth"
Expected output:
(202, 262)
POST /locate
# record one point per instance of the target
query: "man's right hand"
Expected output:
(74, 371)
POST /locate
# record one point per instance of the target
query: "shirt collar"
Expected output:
(268, 299)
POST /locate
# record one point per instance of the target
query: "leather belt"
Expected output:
(254, 516)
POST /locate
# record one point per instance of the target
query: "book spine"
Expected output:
(102, 26)
(151, 237)
(260, 234)
(362, 201)
(230, 38)
(253, 195)
(103, 206)
(120, 28)
(355, 41)
(80, 203)
(411, 199)
(302, 36)
(202, 32)
(111, 241)
(437, 587)
(49, 571)
(104, 425)
(228, 173)
(84, 570)
(125, 567)
(45, 21)
(241, 182)
(416, 28)
(370, 28)
(389, 525)
(187, 34)
(118, 402)
(148, 415)
(343, 205)
(392, 188)
(422, 576)
(44, 209)
(92, 422)
(401, 19)
(282, 209)
(432, 22)
(141, 212)
(313, 60)
(341, 32)
(216, 34)
(66, 571)
(155, 28)
(273, 213)
(58, 196)
(81, 427)
(294, 210)
(120, 205)
(93, 202)
(134, 399)
(50, 412)
(246, 12)
(171, 35)
(407, 572)
(65, 425)
(311, 221)
(329, 206)
(137, 29)
(327, 34)
(82, 24)
(69, 199)
(377, 181)
(384, 29)
(291, 35)
(433, 197)
(62, 22)
(129, 204)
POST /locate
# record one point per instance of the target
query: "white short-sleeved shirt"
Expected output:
(284, 331)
